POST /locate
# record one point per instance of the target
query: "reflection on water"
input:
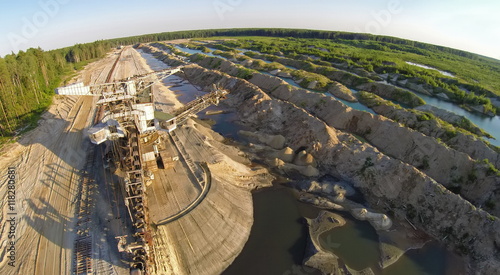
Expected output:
(225, 123)
(428, 260)
(184, 91)
(489, 124)
(430, 68)
(153, 63)
(356, 243)
(193, 51)
(278, 238)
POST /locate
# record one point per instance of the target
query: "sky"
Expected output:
(50, 24)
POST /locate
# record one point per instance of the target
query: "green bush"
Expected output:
(368, 163)
(425, 117)
(491, 170)
(245, 73)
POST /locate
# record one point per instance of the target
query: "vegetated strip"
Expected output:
(374, 59)
(432, 126)
(319, 77)
(28, 80)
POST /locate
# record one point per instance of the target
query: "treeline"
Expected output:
(84, 52)
(357, 40)
(297, 33)
(28, 80)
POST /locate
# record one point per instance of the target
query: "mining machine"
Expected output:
(126, 119)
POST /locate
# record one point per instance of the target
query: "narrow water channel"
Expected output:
(489, 124)
(193, 51)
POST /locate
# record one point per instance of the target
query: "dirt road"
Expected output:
(47, 162)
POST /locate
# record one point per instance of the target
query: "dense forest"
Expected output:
(437, 56)
(297, 33)
(28, 80)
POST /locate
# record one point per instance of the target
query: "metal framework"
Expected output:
(126, 118)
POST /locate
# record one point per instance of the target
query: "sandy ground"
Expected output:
(207, 239)
(47, 161)
(166, 100)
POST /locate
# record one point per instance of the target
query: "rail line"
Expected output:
(196, 171)
(196, 202)
(82, 254)
(111, 72)
(83, 250)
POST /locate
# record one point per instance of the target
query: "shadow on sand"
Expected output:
(70, 163)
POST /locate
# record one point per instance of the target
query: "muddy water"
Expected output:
(428, 260)
(278, 238)
(356, 243)
(225, 123)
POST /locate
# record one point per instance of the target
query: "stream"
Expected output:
(489, 124)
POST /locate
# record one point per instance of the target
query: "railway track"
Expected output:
(83, 248)
(135, 64)
(109, 77)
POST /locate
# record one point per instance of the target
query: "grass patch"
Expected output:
(245, 73)
(490, 168)
(307, 78)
